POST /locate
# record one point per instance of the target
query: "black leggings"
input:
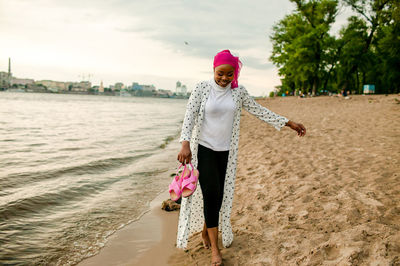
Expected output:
(212, 168)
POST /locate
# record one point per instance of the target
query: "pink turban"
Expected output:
(226, 58)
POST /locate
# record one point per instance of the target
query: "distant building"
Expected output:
(164, 93)
(82, 86)
(5, 77)
(101, 88)
(4, 80)
(180, 89)
(148, 87)
(118, 86)
(35, 88)
(17, 81)
(184, 90)
(136, 86)
(53, 85)
(9, 71)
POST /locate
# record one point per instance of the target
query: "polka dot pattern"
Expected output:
(191, 217)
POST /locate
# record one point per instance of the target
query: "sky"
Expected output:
(150, 42)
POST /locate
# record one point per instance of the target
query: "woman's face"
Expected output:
(224, 74)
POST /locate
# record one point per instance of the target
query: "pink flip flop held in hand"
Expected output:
(175, 188)
(189, 182)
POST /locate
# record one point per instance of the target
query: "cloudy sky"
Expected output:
(151, 42)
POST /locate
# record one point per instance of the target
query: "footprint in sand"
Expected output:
(266, 207)
(331, 252)
(260, 196)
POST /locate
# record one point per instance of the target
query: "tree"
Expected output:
(388, 50)
(374, 14)
(367, 50)
(301, 44)
(351, 60)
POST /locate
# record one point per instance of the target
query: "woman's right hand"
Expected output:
(185, 155)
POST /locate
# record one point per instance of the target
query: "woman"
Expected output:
(213, 112)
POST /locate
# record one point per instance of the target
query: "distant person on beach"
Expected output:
(213, 111)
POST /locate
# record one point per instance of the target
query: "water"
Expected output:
(75, 168)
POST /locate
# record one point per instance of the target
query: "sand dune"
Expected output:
(330, 198)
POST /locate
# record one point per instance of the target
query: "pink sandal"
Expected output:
(175, 188)
(189, 182)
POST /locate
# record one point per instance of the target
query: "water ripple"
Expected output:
(74, 168)
(93, 167)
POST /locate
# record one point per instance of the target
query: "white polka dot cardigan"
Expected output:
(191, 217)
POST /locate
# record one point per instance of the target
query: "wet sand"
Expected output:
(330, 198)
(147, 241)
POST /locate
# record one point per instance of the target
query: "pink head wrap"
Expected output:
(226, 58)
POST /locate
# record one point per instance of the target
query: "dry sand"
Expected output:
(330, 198)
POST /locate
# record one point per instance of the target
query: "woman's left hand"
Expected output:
(301, 130)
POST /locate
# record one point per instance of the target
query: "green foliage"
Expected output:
(388, 50)
(271, 94)
(367, 50)
(352, 39)
(300, 44)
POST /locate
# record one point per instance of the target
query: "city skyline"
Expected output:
(151, 43)
(12, 83)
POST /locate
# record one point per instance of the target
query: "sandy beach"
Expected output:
(330, 198)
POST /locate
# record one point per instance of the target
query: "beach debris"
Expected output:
(170, 205)
(166, 142)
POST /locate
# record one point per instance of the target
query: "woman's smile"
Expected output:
(224, 74)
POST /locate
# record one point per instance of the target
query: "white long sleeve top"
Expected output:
(216, 130)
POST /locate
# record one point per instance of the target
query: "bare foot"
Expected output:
(216, 258)
(206, 239)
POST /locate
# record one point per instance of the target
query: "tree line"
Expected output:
(366, 50)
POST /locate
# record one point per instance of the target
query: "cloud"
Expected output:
(191, 28)
(206, 26)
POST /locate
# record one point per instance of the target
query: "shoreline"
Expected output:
(146, 241)
(94, 94)
(145, 238)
